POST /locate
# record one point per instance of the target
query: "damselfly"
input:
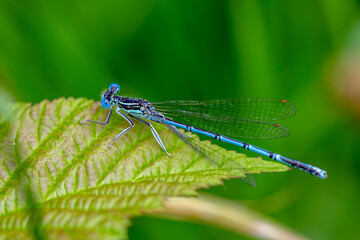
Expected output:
(222, 120)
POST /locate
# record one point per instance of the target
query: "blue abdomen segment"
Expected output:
(294, 163)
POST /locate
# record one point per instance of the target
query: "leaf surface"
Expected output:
(83, 189)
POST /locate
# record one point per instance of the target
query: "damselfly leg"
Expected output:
(125, 130)
(156, 135)
(107, 121)
(102, 123)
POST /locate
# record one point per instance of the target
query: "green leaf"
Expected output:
(81, 188)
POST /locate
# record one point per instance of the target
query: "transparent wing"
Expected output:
(214, 157)
(239, 118)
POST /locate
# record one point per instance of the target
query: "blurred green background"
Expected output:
(305, 51)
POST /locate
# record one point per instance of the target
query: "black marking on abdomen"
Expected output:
(217, 136)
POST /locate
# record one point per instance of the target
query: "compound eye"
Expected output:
(105, 103)
(114, 88)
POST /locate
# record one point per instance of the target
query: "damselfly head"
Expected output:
(107, 95)
(114, 88)
(106, 100)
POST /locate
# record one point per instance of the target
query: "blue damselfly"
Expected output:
(222, 120)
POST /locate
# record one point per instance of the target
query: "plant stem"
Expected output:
(226, 214)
